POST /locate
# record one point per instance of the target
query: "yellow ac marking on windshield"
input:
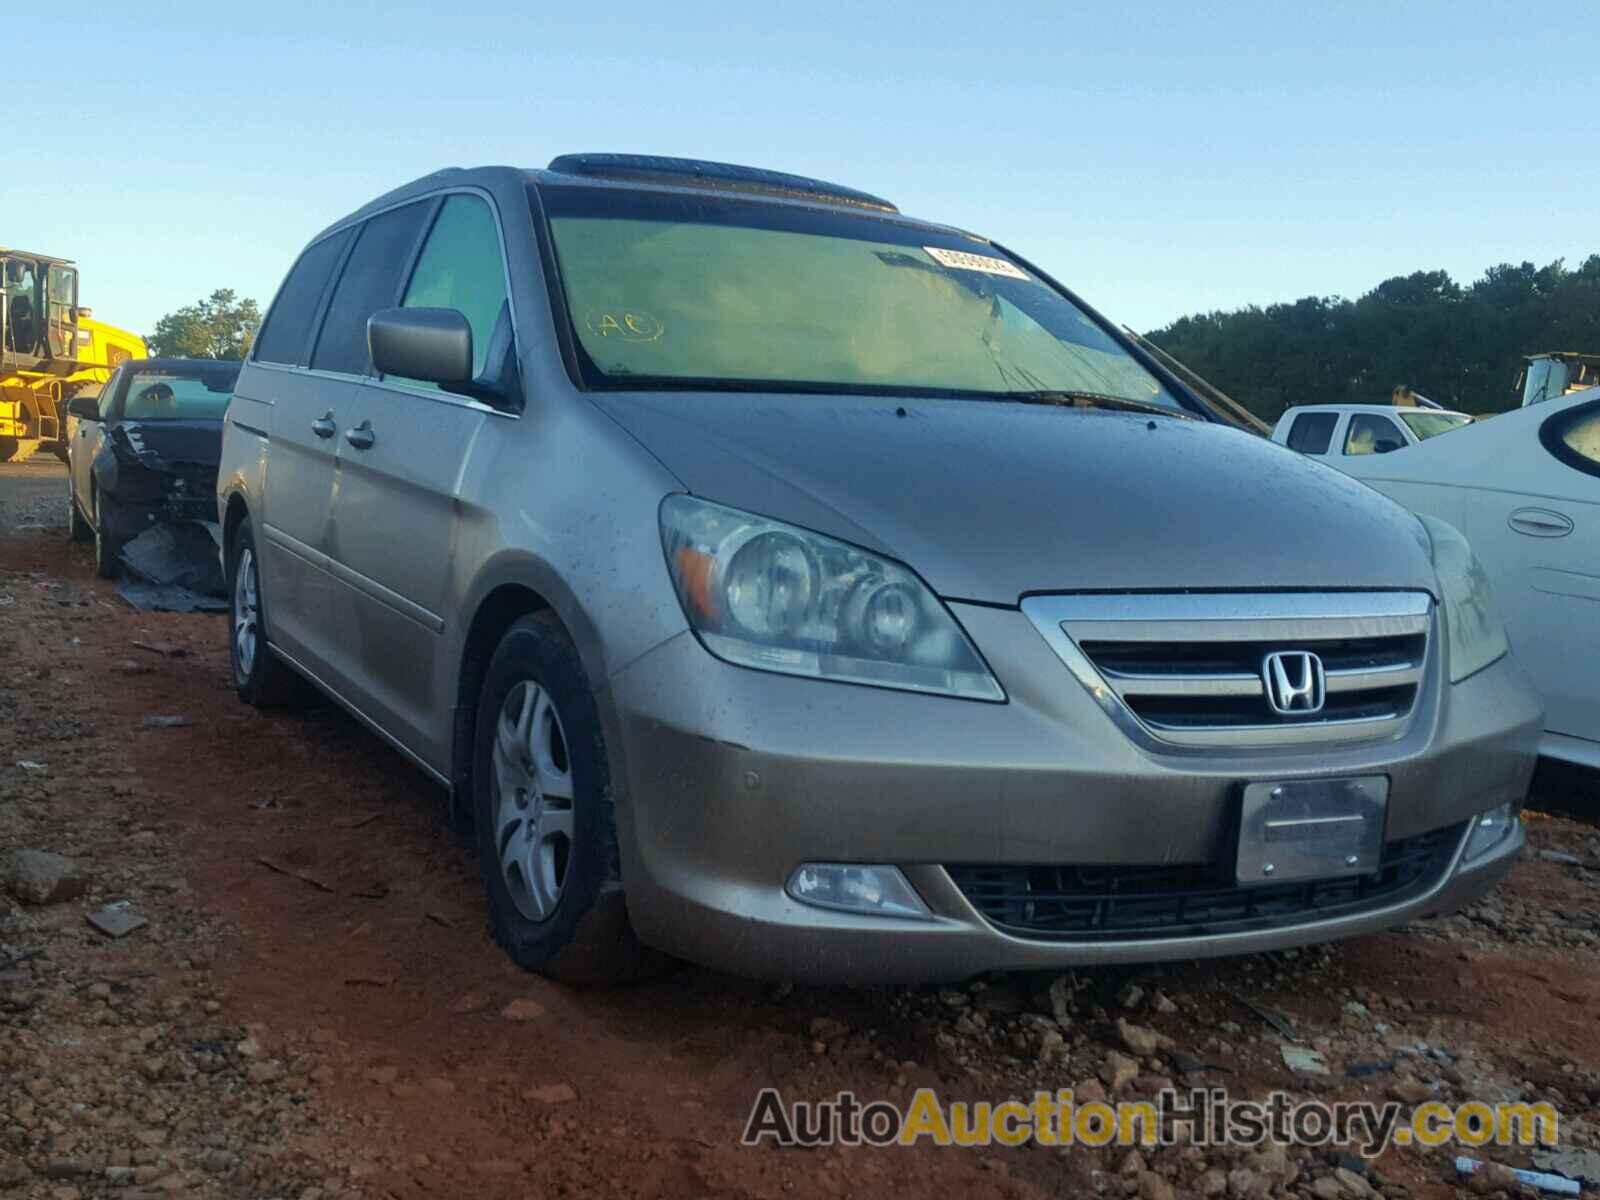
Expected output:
(630, 325)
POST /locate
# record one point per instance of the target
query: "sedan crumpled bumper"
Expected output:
(730, 778)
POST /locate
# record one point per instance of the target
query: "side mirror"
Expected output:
(430, 344)
(1386, 446)
(85, 408)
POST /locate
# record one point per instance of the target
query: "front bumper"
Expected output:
(733, 777)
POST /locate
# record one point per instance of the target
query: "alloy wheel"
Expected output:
(245, 612)
(533, 800)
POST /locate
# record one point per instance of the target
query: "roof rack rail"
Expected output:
(693, 172)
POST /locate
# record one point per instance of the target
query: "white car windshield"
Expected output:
(1431, 424)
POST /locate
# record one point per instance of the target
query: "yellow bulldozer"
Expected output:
(51, 348)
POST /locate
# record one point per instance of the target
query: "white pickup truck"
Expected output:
(1332, 432)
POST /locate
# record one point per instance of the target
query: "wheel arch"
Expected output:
(509, 588)
(234, 514)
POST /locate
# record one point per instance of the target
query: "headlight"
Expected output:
(770, 596)
(1472, 623)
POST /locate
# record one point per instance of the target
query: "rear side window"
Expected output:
(1371, 434)
(1312, 432)
(1574, 438)
(283, 338)
(370, 281)
(461, 268)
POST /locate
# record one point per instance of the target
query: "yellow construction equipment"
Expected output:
(50, 348)
(1557, 373)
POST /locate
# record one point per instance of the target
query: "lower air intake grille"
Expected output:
(1088, 903)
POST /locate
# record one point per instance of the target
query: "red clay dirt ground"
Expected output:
(359, 959)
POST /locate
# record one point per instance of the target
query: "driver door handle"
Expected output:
(361, 437)
(1540, 522)
(323, 426)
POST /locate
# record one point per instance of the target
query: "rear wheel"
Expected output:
(547, 837)
(259, 676)
(8, 448)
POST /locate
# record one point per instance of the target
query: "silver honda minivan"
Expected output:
(789, 585)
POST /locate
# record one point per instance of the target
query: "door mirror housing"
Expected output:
(85, 408)
(433, 345)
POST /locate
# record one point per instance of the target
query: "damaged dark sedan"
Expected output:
(142, 468)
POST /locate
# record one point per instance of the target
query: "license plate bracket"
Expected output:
(1298, 829)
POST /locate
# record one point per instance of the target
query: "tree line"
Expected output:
(222, 325)
(1460, 346)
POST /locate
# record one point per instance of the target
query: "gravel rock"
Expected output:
(39, 877)
(523, 1009)
(1052, 1046)
(1119, 1071)
(1354, 1186)
(1140, 1039)
(1060, 996)
(1245, 1184)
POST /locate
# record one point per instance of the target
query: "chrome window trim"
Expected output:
(1251, 616)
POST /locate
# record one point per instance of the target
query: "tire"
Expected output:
(82, 531)
(8, 447)
(542, 808)
(60, 451)
(107, 546)
(261, 678)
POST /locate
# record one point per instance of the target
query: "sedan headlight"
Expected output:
(771, 596)
(1472, 624)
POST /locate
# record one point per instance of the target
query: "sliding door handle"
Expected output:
(361, 437)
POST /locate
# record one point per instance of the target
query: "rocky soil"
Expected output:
(308, 1006)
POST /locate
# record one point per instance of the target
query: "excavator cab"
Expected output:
(38, 312)
(1559, 373)
(50, 347)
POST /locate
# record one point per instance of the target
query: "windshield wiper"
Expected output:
(1070, 399)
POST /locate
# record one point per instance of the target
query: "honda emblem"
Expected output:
(1296, 683)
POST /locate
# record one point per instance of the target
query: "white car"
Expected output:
(1525, 489)
(1335, 433)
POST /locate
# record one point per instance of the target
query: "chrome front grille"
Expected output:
(1187, 670)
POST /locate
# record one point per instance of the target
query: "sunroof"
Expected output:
(694, 172)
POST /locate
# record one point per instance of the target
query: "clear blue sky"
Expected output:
(1160, 158)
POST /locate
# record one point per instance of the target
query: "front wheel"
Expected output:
(82, 531)
(546, 830)
(107, 546)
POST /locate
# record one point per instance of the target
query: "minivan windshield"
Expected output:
(674, 291)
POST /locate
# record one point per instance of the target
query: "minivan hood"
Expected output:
(989, 501)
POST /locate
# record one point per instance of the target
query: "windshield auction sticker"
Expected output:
(960, 260)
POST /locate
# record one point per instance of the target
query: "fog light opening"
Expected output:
(872, 891)
(1489, 830)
